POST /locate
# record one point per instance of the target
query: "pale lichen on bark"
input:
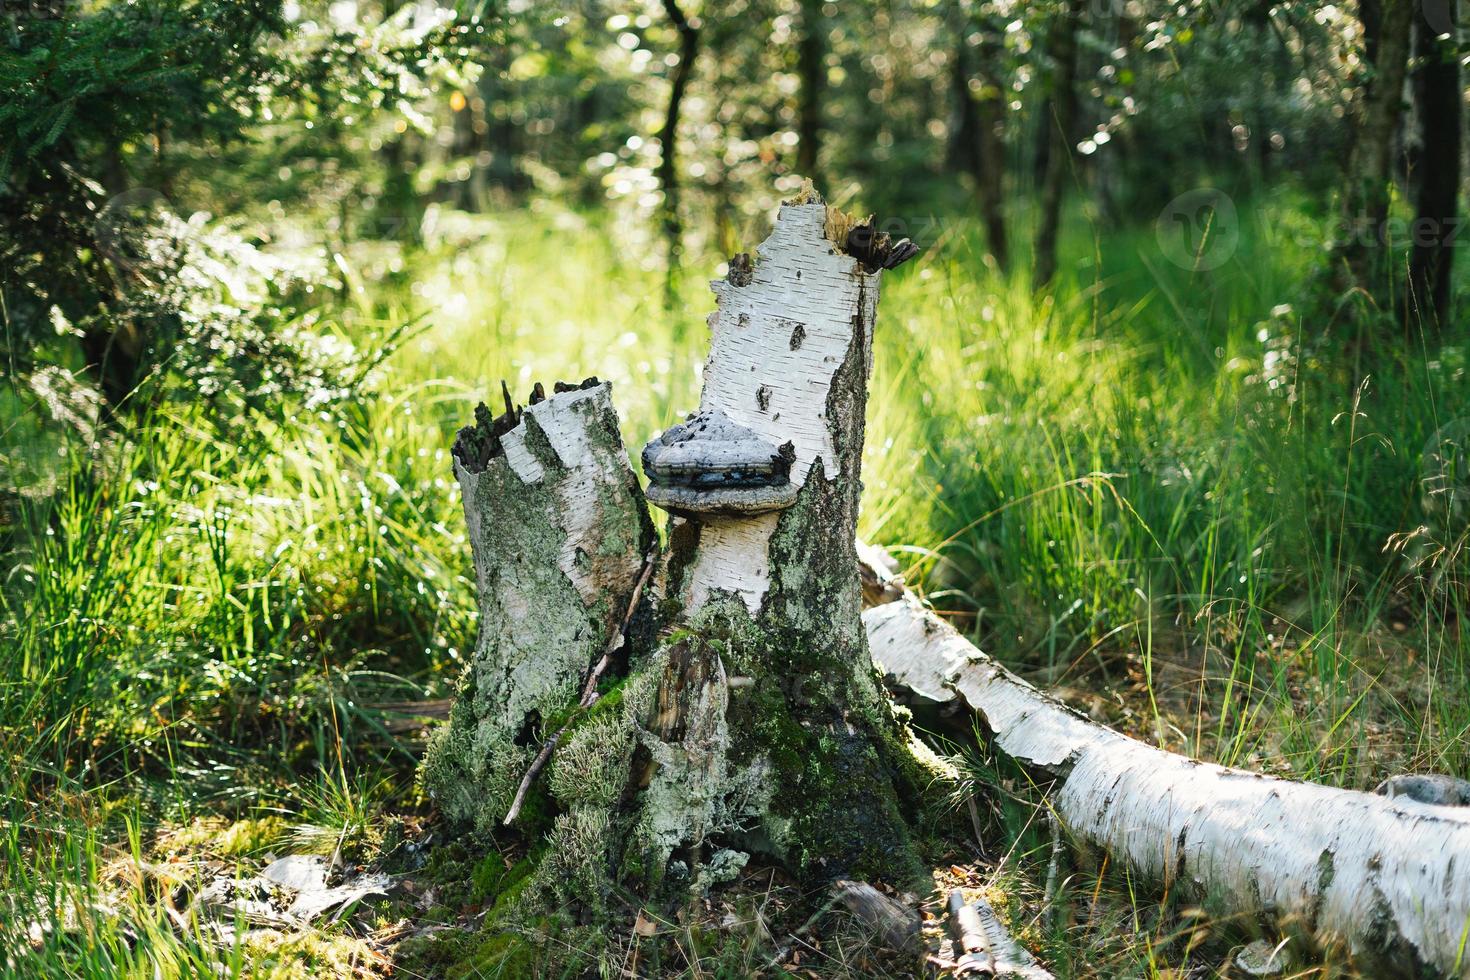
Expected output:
(558, 533)
(777, 595)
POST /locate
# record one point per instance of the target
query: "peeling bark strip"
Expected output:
(1383, 877)
(984, 947)
(559, 531)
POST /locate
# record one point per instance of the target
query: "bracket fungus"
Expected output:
(710, 464)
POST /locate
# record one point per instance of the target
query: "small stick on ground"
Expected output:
(784, 949)
(588, 699)
(895, 925)
(589, 690)
(975, 825)
(1048, 907)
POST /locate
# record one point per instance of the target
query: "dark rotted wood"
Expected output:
(876, 250)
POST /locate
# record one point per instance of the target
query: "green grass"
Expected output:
(1213, 540)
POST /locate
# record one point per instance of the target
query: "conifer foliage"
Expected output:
(96, 269)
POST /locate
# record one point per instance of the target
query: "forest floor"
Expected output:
(1163, 495)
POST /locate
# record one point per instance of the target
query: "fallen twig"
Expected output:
(412, 716)
(589, 695)
(1053, 867)
(895, 925)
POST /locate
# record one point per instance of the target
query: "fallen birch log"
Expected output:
(1384, 879)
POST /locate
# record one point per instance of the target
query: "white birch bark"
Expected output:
(776, 344)
(744, 707)
(734, 556)
(559, 532)
(1384, 878)
(763, 483)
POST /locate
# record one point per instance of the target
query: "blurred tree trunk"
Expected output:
(1062, 49)
(991, 185)
(1359, 255)
(1258, 21)
(1440, 107)
(504, 139)
(727, 235)
(115, 359)
(1370, 15)
(979, 144)
(465, 146)
(111, 347)
(1114, 162)
(812, 68)
(398, 203)
(668, 173)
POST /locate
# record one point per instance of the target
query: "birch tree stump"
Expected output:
(770, 714)
(734, 711)
(558, 530)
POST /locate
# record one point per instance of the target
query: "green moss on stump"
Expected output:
(802, 761)
(839, 758)
(538, 634)
(493, 880)
(460, 954)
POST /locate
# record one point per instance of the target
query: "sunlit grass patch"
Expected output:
(210, 836)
